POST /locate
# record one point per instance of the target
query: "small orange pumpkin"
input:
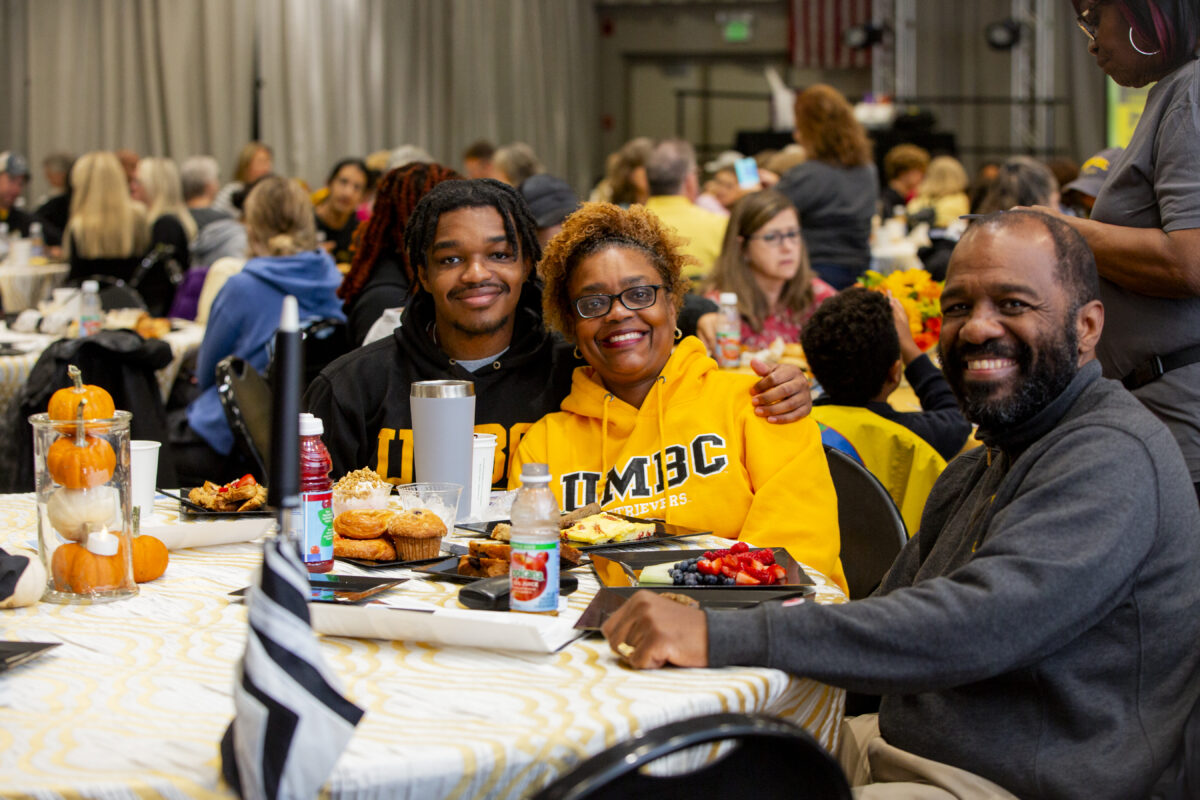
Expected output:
(149, 557)
(65, 402)
(79, 570)
(81, 466)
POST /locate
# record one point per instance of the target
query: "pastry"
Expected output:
(370, 549)
(605, 527)
(417, 533)
(483, 548)
(362, 523)
(502, 532)
(482, 567)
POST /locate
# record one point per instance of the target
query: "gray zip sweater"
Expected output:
(1041, 629)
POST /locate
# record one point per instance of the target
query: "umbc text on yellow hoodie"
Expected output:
(727, 470)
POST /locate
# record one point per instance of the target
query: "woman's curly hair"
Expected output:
(397, 195)
(826, 126)
(594, 227)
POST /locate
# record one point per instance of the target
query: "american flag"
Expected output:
(291, 722)
(816, 32)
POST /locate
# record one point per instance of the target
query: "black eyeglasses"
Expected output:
(634, 298)
(778, 238)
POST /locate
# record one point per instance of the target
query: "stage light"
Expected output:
(1003, 35)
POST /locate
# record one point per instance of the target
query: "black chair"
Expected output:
(321, 342)
(157, 277)
(246, 399)
(116, 293)
(872, 530)
(770, 759)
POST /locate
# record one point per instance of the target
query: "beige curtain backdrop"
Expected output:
(161, 77)
(348, 77)
(339, 77)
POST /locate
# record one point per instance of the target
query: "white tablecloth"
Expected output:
(134, 703)
(24, 286)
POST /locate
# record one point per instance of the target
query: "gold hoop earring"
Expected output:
(678, 334)
(578, 355)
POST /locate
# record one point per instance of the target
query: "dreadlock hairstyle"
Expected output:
(397, 195)
(520, 228)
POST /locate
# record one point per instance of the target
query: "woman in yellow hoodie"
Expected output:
(645, 409)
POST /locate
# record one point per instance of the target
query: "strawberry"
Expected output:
(760, 574)
(744, 579)
(707, 567)
(764, 556)
(729, 572)
(780, 573)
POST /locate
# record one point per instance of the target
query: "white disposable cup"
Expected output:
(18, 252)
(483, 456)
(143, 474)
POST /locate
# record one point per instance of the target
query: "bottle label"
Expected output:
(90, 325)
(729, 348)
(533, 577)
(316, 525)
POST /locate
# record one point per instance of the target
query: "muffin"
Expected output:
(416, 533)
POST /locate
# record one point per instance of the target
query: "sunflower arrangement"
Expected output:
(920, 295)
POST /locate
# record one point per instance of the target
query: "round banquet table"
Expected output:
(135, 700)
(24, 286)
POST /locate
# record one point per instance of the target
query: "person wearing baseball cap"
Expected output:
(1080, 194)
(14, 173)
(551, 200)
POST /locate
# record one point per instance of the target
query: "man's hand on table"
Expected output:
(650, 632)
(782, 395)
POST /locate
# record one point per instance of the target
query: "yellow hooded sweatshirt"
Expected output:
(728, 470)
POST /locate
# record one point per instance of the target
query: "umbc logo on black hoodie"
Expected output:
(636, 480)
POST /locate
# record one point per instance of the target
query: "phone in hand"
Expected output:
(746, 170)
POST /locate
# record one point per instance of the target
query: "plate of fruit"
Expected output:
(739, 566)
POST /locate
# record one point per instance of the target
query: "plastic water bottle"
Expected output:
(37, 242)
(533, 571)
(729, 332)
(315, 528)
(91, 318)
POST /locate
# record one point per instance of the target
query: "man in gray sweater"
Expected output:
(1039, 636)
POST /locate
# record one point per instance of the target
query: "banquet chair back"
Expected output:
(116, 293)
(321, 342)
(246, 399)
(872, 530)
(770, 758)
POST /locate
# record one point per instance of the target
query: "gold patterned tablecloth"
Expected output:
(134, 702)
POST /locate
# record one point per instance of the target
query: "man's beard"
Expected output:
(1034, 386)
(482, 328)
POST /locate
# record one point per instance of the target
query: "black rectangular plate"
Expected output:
(365, 564)
(13, 654)
(639, 559)
(663, 532)
(607, 601)
(447, 570)
(349, 589)
(191, 513)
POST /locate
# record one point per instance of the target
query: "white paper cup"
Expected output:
(143, 474)
(483, 456)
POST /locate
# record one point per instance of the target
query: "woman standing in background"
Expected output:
(834, 191)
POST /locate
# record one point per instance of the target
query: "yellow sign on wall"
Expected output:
(1124, 110)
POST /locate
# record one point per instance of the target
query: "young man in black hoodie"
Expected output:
(1037, 637)
(477, 316)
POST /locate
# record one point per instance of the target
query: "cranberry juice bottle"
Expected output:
(315, 526)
